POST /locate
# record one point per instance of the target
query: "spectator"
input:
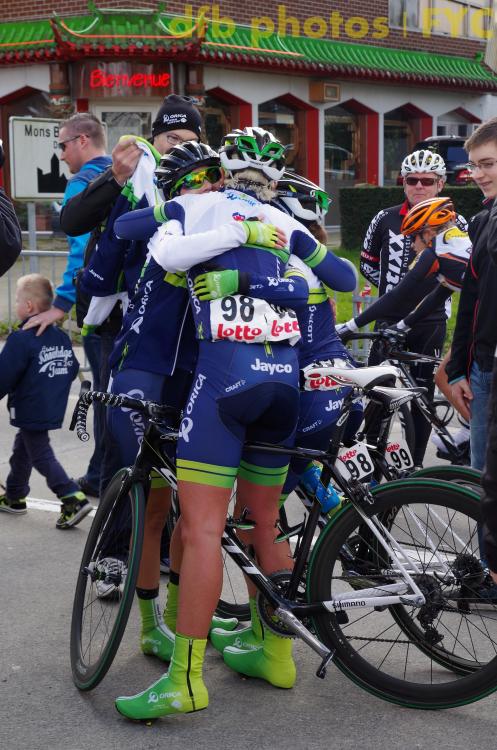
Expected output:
(385, 260)
(82, 145)
(37, 371)
(469, 369)
(10, 231)
(489, 479)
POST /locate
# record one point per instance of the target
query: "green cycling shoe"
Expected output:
(272, 661)
(180, 691)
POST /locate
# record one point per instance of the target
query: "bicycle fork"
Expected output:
(236, 551)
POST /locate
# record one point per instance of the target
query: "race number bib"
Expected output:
(398, 455)
(355, 462)
(252, 321)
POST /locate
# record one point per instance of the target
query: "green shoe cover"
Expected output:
(271, 662)
(243, 638)
(180, 691)
(158, 642)
(226, 623)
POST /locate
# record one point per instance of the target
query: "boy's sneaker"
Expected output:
(74, 508)
(87, 488)
(165, 565)
(13, 506)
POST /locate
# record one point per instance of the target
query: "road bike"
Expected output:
(388, 592)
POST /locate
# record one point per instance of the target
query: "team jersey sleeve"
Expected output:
(337, 273)
(369, 265)
(290, 291)
(180, 253)
(429, 304)
(408, 289)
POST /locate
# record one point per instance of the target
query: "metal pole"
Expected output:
(33, 260)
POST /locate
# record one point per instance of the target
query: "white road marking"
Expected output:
(52, 506)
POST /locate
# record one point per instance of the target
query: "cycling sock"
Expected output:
(156, 638)
(246, 638)
(181, 690)
(171, 610)
(272, 661)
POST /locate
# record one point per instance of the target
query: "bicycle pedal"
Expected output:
(321, 670)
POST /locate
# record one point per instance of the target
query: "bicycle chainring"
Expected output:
(280, 580)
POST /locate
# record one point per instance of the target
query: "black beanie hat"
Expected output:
(177, 113)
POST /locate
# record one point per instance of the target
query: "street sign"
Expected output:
(36, 172)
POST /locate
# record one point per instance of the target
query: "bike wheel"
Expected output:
(440, 655)
(462, 475)
(104, 594)
(234, 596)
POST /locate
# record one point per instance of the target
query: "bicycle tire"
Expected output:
(462, 670)
(98, 624)
(462, 475)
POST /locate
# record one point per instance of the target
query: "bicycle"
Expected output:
(402, 360)
(410, 564)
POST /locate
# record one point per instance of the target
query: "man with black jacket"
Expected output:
(469, 369)
(10, 231)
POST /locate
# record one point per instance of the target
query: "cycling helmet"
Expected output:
(254, 148)
(302, 199)
(423, 161)
(181, 160)
(434, 212)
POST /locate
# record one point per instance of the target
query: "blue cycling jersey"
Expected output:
(157, 333)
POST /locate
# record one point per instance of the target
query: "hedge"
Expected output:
(358, 205)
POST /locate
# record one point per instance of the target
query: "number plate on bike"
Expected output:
(355, 462)
(398, 455)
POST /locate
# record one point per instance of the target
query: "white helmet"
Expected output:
(254, 148)
(423, 161)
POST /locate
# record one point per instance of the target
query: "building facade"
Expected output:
(351, 84)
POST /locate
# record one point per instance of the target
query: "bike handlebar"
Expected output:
(399, 354)
(87, 397)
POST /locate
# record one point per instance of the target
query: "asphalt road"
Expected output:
(42, 710)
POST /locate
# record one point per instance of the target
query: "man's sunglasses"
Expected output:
(62, 144)
(195, 180)
(425, 181)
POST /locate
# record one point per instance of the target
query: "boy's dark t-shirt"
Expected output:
(36, 372)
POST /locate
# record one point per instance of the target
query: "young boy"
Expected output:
(36, 372)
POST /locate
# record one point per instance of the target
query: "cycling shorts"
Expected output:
(240, 393)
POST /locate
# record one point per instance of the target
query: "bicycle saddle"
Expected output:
(325, 376)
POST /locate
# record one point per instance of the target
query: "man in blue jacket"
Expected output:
(82, 146)
(37, 371)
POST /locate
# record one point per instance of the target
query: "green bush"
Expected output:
(358, 206)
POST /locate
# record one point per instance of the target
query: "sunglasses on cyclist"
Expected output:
(322, 199)
(425, 181)
(195, 180)
(248, 145)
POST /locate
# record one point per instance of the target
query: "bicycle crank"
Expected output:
(295, 626)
